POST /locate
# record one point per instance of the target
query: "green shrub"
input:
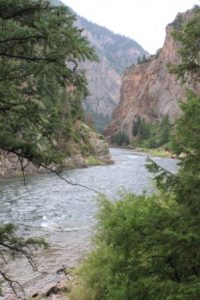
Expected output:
(93, 161)
(145, 248)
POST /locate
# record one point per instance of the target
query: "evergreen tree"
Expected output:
(136, 125)
(120, 138)
(186, 136)
(40, 81)
(41, 89)
(151, 134)
(149, 247)
(189, 38)
(164, 130)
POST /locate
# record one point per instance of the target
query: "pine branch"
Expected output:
(18, 249)
(28, 58)
(68, 181)
(22, 12)
(22, 39)
(12, 283)
(165, 179)
(18, 154)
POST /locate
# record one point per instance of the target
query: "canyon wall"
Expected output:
(148, 89)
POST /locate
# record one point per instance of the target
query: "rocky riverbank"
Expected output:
(59, 289)
(90, 149)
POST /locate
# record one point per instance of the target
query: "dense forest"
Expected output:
(41, 93)
(146, 134)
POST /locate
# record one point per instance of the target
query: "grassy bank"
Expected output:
(149, 151)
(154, 152)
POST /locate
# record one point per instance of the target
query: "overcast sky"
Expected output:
(141, 20)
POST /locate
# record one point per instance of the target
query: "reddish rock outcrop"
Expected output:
(115, 53)
(148, 89)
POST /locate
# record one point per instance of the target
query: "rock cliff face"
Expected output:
(148, 89)
(115, 54)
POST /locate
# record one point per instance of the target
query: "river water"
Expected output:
(63, 214)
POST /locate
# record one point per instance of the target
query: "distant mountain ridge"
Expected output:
(119, 50)
(116, 53)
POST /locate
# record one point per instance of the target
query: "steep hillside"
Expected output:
(119, 50)
(41, 112)
(148, 89)
(115, 53)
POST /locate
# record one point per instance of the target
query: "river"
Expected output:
(64, 214)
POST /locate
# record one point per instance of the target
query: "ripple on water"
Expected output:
(64, 214)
